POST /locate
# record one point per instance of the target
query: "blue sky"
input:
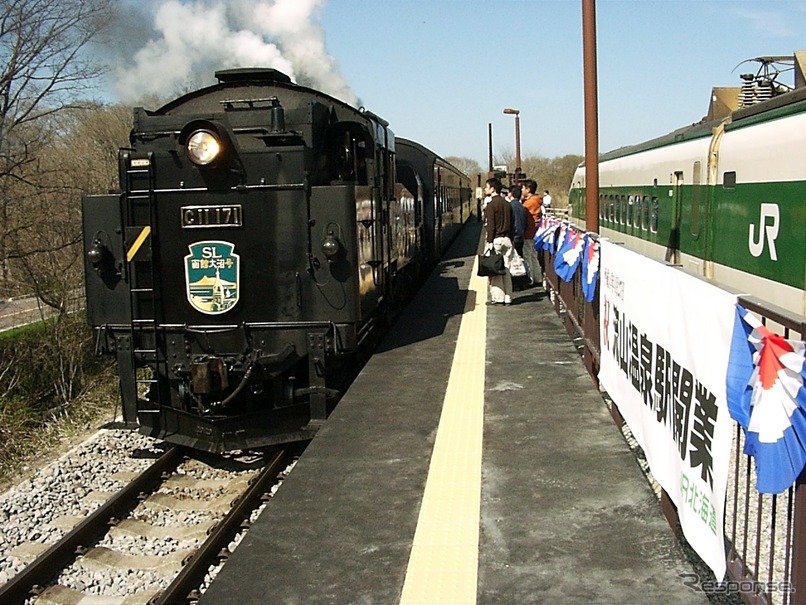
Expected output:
(440, 71)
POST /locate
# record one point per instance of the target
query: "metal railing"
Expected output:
(24, 310)
(765, 534)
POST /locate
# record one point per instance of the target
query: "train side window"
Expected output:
(653, 225)
(645, 218)
(626, 211)
(639, 212)
(696, 193)
(729, 180)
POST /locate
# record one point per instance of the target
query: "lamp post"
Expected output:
(516, 113)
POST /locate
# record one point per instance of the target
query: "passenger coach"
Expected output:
(724, 198)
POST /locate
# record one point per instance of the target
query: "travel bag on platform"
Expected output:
(491, 264)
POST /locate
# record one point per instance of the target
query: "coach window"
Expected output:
(640, 202)
(729, 180)
(625, 210)
(645, 218)
(639, 212)
(696, 193)
(653, 225)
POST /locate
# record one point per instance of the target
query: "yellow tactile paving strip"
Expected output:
(443, 564)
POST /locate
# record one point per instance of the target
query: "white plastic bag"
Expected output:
(516, 266)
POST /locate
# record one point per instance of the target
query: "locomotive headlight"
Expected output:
(331, 247)
(203, 147)
(96, 254)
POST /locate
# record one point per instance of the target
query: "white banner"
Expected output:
(665, 342)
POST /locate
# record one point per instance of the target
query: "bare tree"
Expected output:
(467, 165)
(45, 68)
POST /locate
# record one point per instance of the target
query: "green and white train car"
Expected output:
(723, 198)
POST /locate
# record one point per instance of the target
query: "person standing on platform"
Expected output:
(499, 233)
(519, 217)
(546, 200)
(533, 203)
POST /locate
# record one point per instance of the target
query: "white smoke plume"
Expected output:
(196, 38)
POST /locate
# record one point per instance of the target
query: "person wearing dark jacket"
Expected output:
(499, 232)
(519, 216)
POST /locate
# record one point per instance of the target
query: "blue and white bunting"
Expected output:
(569, 255)
(590, 267)
(767, 397)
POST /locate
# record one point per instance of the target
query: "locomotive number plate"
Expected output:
(195, 217)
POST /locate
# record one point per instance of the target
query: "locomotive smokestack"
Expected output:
(277, 116)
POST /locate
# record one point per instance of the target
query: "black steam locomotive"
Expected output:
(261, 232)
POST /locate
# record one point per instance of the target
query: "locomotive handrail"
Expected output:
(268, 186)
(248, 101)
(302, 325)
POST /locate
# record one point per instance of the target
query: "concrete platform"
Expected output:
(564, 513)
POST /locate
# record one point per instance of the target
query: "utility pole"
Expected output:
(591, 116)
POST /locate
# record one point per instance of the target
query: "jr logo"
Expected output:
(768, 211)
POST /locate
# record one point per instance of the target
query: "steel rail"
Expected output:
(48, 564)
(184, 586)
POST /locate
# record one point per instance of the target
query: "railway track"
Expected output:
(178, 556)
